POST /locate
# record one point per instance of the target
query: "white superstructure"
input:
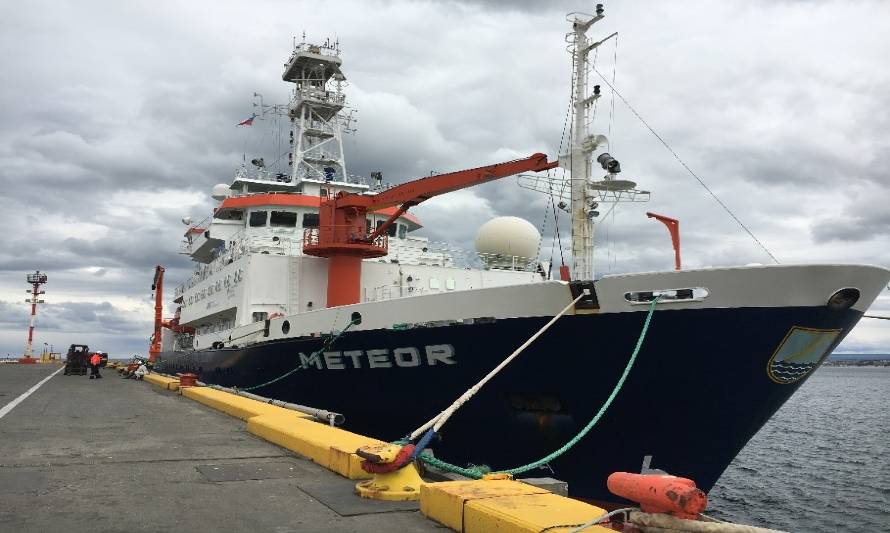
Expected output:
(249, 261)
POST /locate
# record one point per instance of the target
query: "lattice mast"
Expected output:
(315, 112)
(35, 280)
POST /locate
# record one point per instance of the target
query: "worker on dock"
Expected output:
(95, 361)
(140, 372)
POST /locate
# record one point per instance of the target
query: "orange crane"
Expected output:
(173, 324)
(342, 234)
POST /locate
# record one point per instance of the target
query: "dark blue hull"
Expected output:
(700, 388)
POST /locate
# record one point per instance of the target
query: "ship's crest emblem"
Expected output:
(801, 351)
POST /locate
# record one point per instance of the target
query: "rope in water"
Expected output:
(476, 472)
(312, 358)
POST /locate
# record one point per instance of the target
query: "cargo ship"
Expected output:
(311, 286)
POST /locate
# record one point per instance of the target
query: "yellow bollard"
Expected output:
(398, 485)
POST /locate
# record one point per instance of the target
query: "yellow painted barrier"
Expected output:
(237, 406)
(328, 446)
(477, 506)
(164, 382)
(505, 506)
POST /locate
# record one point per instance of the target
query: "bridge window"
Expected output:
(258, 218)
(403, 231)
(310, 220)
(229, 214)
(283, 219)
(391, 230)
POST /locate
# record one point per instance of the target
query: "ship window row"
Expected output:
(280, 219)
(289, 219)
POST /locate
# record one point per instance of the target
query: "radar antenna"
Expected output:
(581, 193)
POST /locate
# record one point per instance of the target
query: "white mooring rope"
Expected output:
(439, 420)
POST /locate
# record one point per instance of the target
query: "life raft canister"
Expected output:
(660, 493)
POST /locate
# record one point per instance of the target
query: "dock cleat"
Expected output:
(395, 475)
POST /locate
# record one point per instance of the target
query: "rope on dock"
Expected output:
(476, 472)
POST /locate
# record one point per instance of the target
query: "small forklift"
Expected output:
(78, 360)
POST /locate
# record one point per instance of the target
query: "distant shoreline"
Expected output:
(857, 362)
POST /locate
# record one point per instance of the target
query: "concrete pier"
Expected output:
(118, 455)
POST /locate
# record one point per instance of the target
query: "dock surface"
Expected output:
(120, 455)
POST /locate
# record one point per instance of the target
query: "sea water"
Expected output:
(821, 464)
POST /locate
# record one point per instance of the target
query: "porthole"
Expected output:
(285, 327)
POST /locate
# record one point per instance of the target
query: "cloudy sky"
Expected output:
(118, 118)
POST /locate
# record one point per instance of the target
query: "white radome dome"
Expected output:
(220, 192)
(501, 239)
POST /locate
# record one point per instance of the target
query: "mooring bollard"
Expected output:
(188, 380)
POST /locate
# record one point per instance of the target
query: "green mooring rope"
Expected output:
(476, 472)
(327, 344)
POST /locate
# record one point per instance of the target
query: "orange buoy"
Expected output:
(660, 493)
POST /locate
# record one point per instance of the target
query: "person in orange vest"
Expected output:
(95, 360)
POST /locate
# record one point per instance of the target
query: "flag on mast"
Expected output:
(248, 122)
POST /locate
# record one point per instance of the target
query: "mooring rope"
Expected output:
(312, 358)
(476, 472)
(439, 420)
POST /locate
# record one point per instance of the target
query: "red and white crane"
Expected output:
(172, 324)
(342, 235)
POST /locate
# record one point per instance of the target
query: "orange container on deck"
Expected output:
(660, 493)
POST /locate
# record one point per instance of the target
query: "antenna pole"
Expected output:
(36, 280)
(579, 158)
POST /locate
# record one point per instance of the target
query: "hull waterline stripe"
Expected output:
(12, 405)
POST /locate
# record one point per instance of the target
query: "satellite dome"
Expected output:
(507, 242)
(220, 192)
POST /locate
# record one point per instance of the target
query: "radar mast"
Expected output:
(317, 123)
(581, 193)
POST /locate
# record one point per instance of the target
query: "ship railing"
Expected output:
(316, 236)
(421, 251)
(319, 49)
(274, 244)
(320, 96)
(508, 262)
(261, 174)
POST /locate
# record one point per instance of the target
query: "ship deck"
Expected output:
(118, 455)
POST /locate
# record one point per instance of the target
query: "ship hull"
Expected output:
(701, 387)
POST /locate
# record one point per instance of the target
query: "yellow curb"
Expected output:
(237, 406)
(504, 506)
(328, 446)
(162, 381)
